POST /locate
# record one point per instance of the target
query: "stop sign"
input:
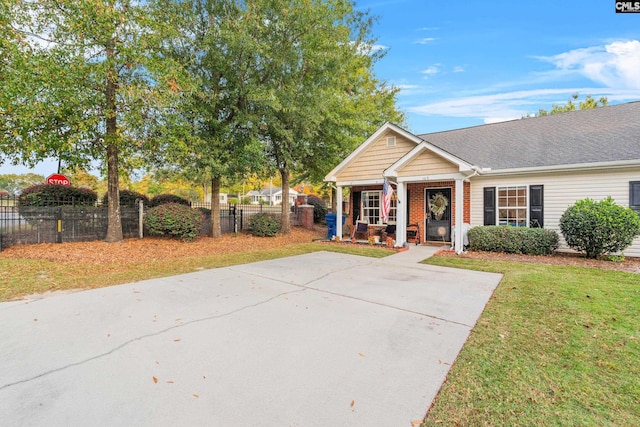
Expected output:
(59, 179)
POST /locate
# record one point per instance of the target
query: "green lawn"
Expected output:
(555, 346)
(20, 277)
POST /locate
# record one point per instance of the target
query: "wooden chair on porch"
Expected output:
(361, 228)
(413, 233)
(388, 231)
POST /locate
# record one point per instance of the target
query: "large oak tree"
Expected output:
(320, 96)
(84, 81)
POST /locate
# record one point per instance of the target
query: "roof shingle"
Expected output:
(603, 134)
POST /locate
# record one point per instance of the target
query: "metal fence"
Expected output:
(66, 221)
(59, 222)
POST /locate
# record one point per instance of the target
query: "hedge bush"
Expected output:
(598, 228)
(264, 224)
(173, 220)
(513, 240)
(319, 207)
(57, 195)
(161, 199)
(128, 199)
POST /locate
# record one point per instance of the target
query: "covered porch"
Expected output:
(431, 189)
(422, 211)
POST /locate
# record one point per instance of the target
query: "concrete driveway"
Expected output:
(322, 339)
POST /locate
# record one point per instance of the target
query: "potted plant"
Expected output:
(438, 205)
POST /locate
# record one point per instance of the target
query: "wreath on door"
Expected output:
(438, 205)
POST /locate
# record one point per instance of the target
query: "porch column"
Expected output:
(401, 214)
(339, 212)
(458, 246)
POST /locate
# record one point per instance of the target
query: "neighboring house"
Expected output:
(520, 173)
(271, 196)
(223, 198)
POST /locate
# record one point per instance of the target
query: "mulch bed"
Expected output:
(630, 264)
(151, 249)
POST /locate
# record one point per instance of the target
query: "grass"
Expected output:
(21, 277)
(555, 345)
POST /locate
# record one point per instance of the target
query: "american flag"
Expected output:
(387, 193)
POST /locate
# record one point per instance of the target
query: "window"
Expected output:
(634, 196)
(371, 207)
(512, 206)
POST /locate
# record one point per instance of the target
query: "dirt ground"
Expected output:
(148, 249)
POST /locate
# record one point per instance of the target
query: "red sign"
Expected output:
(56, 178)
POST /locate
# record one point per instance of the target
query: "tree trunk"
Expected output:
(216, 230)
(114, 224)
(286, 223)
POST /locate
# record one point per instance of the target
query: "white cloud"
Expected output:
(458, 69)
(425, 40)
(615, 65)
(368, 49)
(430, 70)
(508, 106)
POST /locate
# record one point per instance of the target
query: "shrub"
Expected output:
(598, 228)
(162, 199)
(57, 195)
(128, 199)
(319, 207)
(514, 240)
(173, 220)
(264, 224)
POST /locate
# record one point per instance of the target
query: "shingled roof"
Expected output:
(603, 134)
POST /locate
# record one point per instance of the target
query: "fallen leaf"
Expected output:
(416, 423)
(169, 382)
(361, 355)
(176, 340)
(196, 395)
(155, 380)
(353, 403)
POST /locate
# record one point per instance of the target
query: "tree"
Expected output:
(319, 94)
(587, 104)
(14, 183)
(85, 82)
(216, 46)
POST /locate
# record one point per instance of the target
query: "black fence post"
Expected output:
(59, 225)
(235, 220)
(241, 220)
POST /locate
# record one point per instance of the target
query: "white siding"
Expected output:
(561, 190)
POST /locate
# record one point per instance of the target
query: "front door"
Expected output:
(438, 215)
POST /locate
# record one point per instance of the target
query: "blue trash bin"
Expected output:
(330, 218)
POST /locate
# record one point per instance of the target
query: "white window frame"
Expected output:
(371, 201)
(512, 208)
(391, 141)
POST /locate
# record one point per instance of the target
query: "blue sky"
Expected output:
(472, 62)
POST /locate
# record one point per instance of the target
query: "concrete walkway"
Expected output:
(321, 339)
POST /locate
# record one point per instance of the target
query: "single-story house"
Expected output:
(522, 173)
(271, 196)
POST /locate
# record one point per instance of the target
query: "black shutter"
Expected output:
(536, 206)
(489, 205)
(355, 208)
(634, 196)
(407, 203)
